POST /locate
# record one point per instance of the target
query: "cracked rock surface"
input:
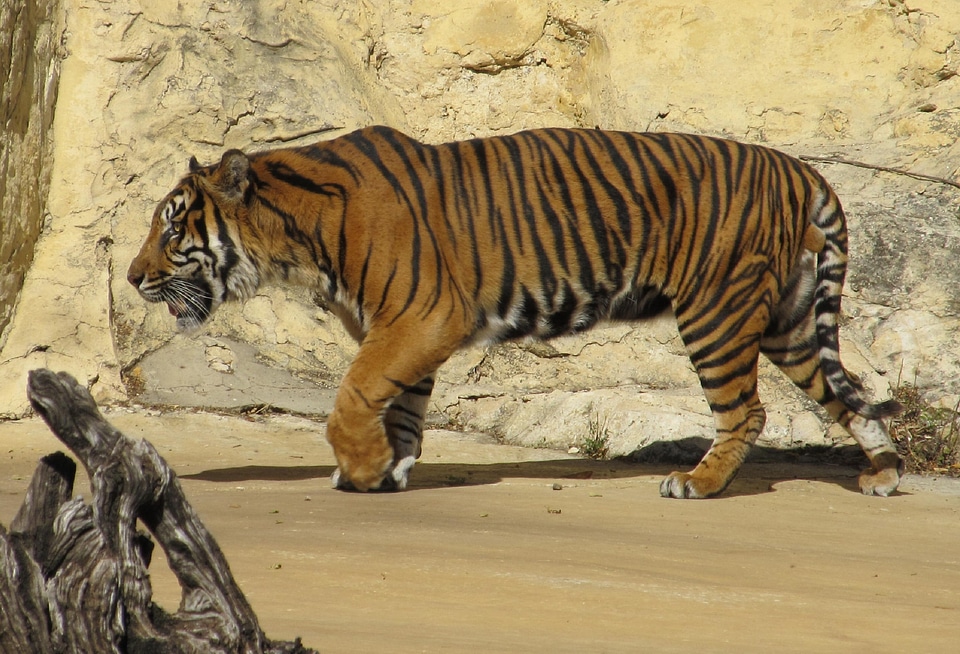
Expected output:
(146, 84)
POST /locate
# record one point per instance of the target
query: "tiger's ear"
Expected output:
(195, 165)
(232, 177)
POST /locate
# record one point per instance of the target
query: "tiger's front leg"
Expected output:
(376, 427)
(403, 422)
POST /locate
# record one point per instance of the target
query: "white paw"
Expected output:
(401, 471)
(396, 479)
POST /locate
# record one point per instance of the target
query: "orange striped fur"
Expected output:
(421, 250)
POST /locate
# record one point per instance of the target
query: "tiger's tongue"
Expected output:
(173, 310)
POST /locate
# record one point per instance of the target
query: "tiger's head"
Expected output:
(194, 258)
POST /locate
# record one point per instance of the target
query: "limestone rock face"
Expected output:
(146, 84)
(29, 70)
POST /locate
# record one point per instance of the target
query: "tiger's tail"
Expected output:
(827, 215)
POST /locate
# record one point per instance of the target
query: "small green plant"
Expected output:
(927, 437)
(596, 442)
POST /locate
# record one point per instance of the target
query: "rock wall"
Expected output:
(30, 33)
(150, 83)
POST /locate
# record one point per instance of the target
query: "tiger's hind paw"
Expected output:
(684, 485)
(883, 477)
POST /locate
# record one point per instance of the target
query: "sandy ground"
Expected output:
(482, 554)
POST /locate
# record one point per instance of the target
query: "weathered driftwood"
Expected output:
(73, 576)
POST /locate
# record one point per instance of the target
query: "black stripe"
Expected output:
(412, 430)
(412, 389)
(404, 410)
(560, 320)
(288, 175)
(361, 288)
(386, 290)
(544, 194)
(466, 202)
(547, 278)
(421, 218)
(324, 155)
(561, 181)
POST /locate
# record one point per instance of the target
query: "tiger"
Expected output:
(421, 250)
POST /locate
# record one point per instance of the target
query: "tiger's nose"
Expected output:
(135, 277)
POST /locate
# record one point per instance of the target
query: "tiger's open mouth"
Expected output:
(187, 300)
(188, 317)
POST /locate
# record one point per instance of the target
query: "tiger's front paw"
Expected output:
(685, 485)
(362, 469)
(395, 478)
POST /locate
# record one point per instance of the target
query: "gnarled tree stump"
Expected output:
(73, 576)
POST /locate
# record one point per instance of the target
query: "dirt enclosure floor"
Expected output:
(483, 554)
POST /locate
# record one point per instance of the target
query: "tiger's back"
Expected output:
(549, 231)
(422, 249)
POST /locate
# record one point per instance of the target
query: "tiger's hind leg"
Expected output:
(791, 344)
(728, 373)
